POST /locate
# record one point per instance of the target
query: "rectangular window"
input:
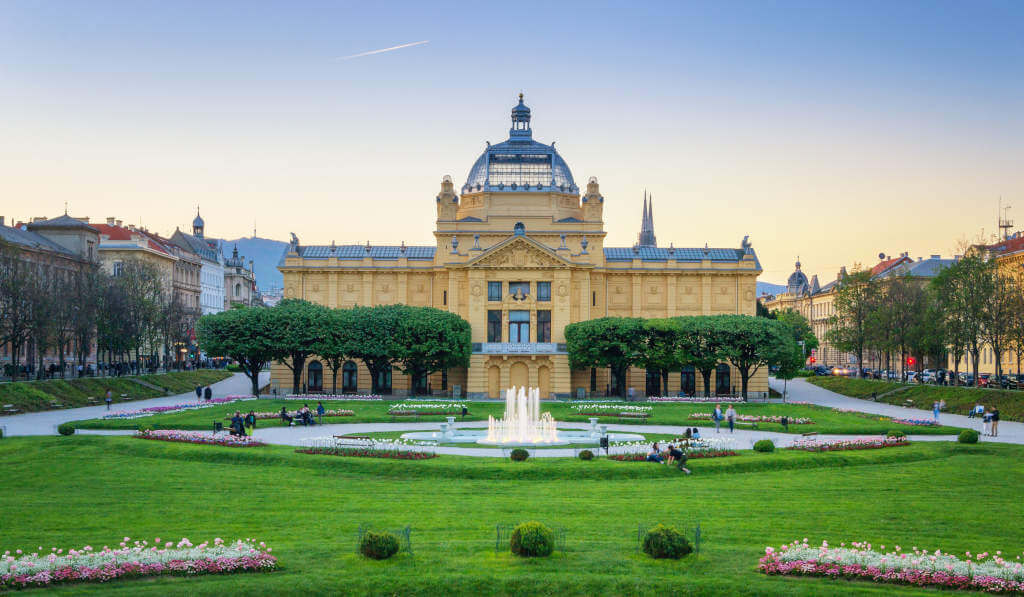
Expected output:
(118, 269)
(543, 291)
(494, 291)
(593, 299)
(444, 379)
(518, 327)
(494, 326)
(444, 297)
(519, 289)
(543, 326)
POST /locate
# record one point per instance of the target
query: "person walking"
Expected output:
(730, 415)
(995, 421)
(986, 424)
(208, 393)
(250, 423)
(935, 411)
(717, 418)
(108, 398)
(199, 392)
(320, 410)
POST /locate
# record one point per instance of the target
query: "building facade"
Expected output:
(211, 272)
(519, 253)
(119, 243)
(239, 282)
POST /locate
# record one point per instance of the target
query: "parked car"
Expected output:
(822, 370)
(967, 379)
(928, 376)
(984, 379)
(911, 375)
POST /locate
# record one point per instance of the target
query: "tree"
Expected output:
(335, 342)
(614, 342)
(789, 365)
(248, 336)
(700, 345)
(763, 311)
(661, 348)
(952, 316)
(800, 328)
(965, 289)
(17, 277)
(298, 329)
(1016, 332)
(750, 343)
(850, 326)
(430, 340)
(905, 304)
(997, 316)
(375, 333)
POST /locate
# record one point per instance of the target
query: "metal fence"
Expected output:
(404, 537)
(691, 533)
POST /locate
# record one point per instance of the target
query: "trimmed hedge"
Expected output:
(968, 436)
(666, 542)
(896, 433)
(764, 445)
(586, 455)
(378, 546)
(532, 540)
(519, 455)
(66, 429)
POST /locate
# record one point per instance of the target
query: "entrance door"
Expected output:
(349, 377)
(722, 382)
(688, 381)
(384, 382)
(315, 377)
(653, 382)
(518, 327)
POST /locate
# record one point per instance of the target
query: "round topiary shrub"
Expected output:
(66, 429)
(379, 546)
(968, 436)
(764, 445)
(666, 542)
(519, 455)
(532, 540)
(896, 434)
(586, 455)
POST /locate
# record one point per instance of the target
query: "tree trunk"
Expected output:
(664, 382)
(334, 381)
(707, 382)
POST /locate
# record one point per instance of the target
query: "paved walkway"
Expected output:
(801, 391)
(46, 422)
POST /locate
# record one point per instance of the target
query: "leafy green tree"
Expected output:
(248, 336)
(789, 365)
(335, 342)
(299, 327)
(614, 342)
(431, 340)
(763, 311)
(661, 350)
(701, 346)
(854, 304)
(964, 290)
(750, 343)
(376, 341)
(800, 327)
(997, 316)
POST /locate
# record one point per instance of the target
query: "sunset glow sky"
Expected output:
(833, 131)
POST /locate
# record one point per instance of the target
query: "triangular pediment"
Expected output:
(519, 252)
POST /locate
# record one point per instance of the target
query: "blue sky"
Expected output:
(832, 131)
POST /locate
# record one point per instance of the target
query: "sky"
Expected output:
(832, 131)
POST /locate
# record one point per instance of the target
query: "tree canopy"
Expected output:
(246, 335)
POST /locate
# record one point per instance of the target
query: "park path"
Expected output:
(46, 422)
(802, 391)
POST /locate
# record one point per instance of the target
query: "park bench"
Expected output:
(633, 416)
(810, 434)
(354, 440)
(9, 409)
(55, 405)
(93, 402)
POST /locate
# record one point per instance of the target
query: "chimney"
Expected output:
(110, 221)
(118, 223)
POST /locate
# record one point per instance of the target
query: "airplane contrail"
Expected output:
(382, 50)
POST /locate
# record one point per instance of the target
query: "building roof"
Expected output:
(197, 245)
(1011, 245)
(120, 233)
(677, 253)
(887, 264)
(922, 268)
(31, 240)
(64, 222)
(379, 252)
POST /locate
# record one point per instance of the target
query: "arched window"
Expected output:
(723, 384)
(383, 382)
(349, 377)
(315, 376)
(688, 381)
(653, 382)
(238, 289)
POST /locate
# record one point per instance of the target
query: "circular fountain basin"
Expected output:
(472, 436)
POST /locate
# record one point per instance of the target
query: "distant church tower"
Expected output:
(646, 237)
(198, 225)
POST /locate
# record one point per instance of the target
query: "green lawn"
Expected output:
(959, 400)
(826, 420)
(78, 490)
(31, 396)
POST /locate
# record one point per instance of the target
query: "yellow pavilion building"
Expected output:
(520, 254)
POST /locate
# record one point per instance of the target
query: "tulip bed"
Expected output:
(916, 422)
(991, 573)
(600, 409)
(262, 416)
(757, 418)
(136, 559)
(198, 437)
(860, 443)
(156, 410)
(427, 408)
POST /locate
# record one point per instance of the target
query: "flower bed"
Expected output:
(360, 397)
(133, 560)
(703, 448)
(156, 410)
(860, 443)
(757, 418)
(601, 409)
(397, 449)
(982, 572)
(695, 399)
(916, 422)
(427, 408)
(261, 416)
(199, 437)
(642, 456)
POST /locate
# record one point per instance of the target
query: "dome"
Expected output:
(797, 281)
(198, 222)
(520, 163)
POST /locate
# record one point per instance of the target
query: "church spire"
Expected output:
(646, 237)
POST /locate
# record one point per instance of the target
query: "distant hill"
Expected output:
(765, 287)
(265, 254)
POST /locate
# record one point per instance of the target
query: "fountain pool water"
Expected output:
(522, 425)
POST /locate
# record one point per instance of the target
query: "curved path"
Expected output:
(46, 422)
(801, 391)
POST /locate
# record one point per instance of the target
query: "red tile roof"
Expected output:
(125, 234)
(1010, 245)
(888, 264)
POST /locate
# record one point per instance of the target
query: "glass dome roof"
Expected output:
(520, 163)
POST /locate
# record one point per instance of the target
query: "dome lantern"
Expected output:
(520, 120)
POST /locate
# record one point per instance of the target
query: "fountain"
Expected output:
(522, 423)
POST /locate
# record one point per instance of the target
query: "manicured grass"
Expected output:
(31, 396)
(95, 490)
(959, 399)
(826, 420)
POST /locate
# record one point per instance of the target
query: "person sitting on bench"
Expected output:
(237, 424)
(285, 417)
(695, 433)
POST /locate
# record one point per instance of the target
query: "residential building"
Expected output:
(239, 282)
(211, 274)
(520, 254)
(119, 243)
